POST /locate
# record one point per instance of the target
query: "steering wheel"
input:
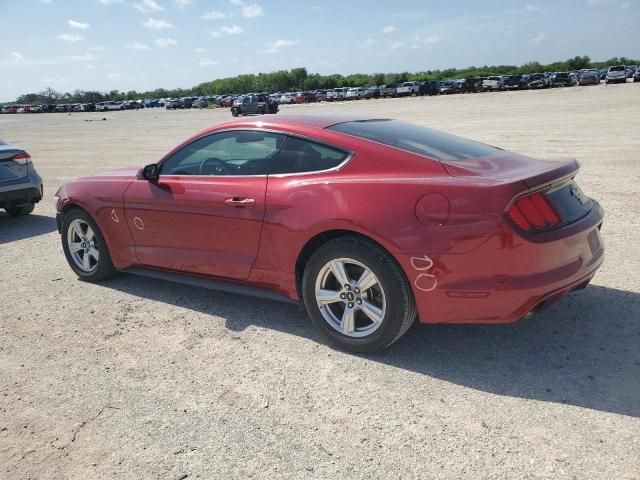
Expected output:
(213, 166)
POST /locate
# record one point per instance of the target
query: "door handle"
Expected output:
(240, 202)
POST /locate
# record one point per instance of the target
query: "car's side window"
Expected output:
(239, 152)
(299, 156)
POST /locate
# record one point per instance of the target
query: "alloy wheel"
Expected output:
(350, 297)
(83, 245)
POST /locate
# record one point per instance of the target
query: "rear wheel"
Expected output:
(85, 247)
(356, 295)
(20, 211)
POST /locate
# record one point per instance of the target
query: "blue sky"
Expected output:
(146, 44)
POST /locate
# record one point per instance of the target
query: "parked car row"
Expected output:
(589, 76)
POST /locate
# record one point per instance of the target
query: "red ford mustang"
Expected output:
(370, 222)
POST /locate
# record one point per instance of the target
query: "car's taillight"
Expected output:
(22, 158)
(533, 212)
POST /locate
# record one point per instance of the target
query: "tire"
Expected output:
(390, 295)
(261, 111)
(99, 270)
(234, 112)
(20, 211)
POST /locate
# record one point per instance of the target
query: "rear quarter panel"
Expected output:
(368, 196)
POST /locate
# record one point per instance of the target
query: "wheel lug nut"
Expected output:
(347, 286)
(357, 290)
(350, 305)
(342, 295)
(359, 302)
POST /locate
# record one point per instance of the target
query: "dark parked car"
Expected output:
(589, 77)
(448, 86)
(514, 82)
(561, 79)
(200, 103)
(254, 104)
(636, 75)
(174, 104)
(20, 184)
(429, 87)
(538, 80)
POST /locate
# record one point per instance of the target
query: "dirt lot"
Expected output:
(137, 378)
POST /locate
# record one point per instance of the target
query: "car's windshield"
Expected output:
(416, 139)
(619, 68)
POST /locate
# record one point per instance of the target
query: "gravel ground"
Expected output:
(138, 378)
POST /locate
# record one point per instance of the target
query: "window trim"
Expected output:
(350, 154)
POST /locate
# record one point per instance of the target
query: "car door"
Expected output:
(204, 213)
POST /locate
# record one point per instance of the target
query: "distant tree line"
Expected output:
(299, 79)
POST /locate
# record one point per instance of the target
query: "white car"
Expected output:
(287, 98)
(355, 93)
(493, 83)
(617, 73)
(408, 89)
(111, 105)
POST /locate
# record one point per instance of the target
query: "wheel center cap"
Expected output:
(83, 244)
(351, 296)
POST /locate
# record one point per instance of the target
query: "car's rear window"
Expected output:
(416, 139)
(617, 69)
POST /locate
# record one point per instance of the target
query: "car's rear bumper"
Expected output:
(24, 191)
(506, 276)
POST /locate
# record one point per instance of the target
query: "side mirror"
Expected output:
(151, 172)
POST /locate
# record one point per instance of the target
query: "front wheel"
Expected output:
(356, 295)
(234, 112)
(85, 247)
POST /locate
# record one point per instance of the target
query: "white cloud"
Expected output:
(155, 24)
(530, 8)
(389, 29)
(277, 45)
(214, 15)
(597, 3)
(429, 40)
(110, 2)
(165, 42)
(625, 5)
(137, 46)
(215, 33)
(45, 1)
(205, 62)
(182, 3)
(17, 60)
(369, 42)
(538, 39)
(83, 58)
(148, 6)
(232, 30)
(199, 50)
(249, 10)
(70, 37)
(114, 76)
(78, 25)
(53, 81)
(397, 45)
